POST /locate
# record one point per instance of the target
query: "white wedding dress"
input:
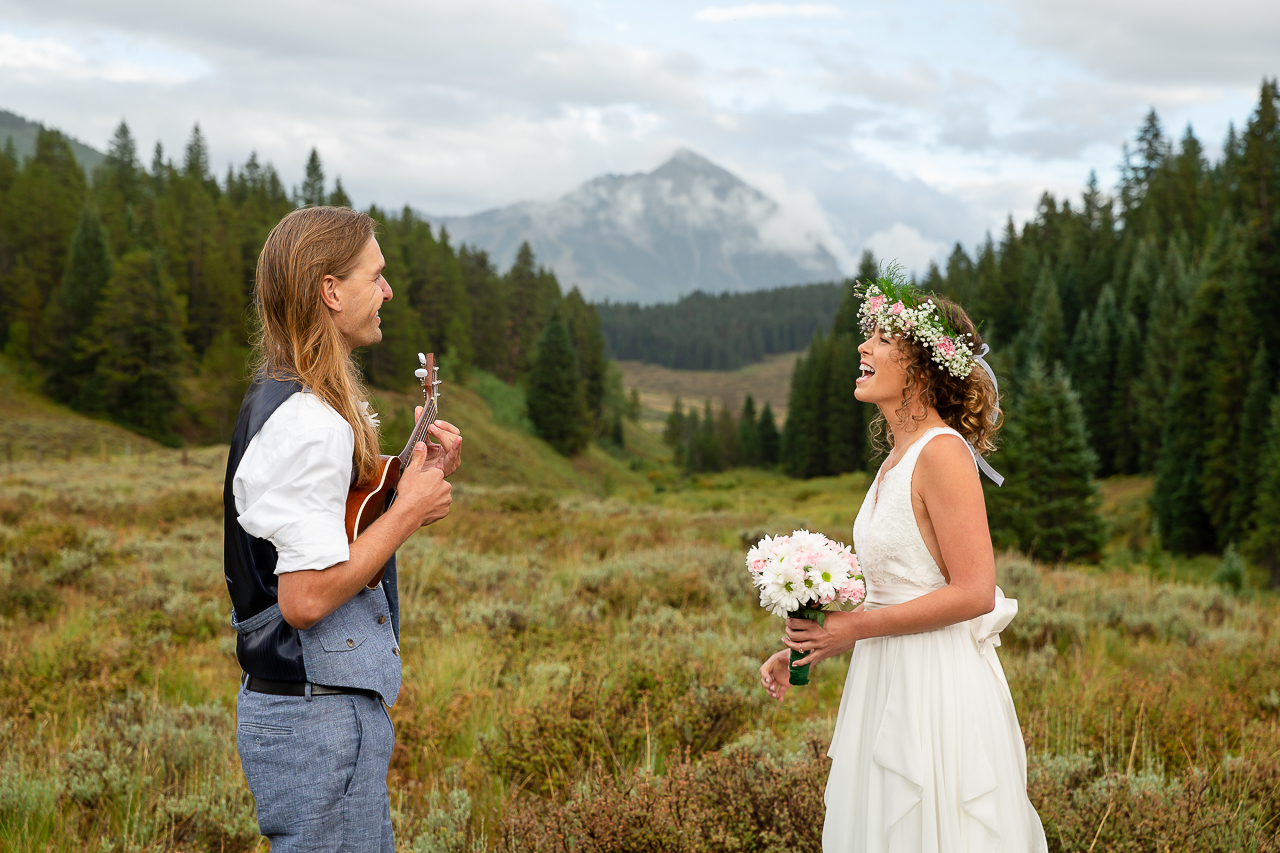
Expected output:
(927, 753)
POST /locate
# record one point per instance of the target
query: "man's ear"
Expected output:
(330, 295)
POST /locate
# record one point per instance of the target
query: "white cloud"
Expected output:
(800, 220)
(1163, 43)
(723, 14)
(43, 56)
(905, 245)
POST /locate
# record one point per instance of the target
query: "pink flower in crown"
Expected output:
(876, 303)
(946, 346)
(896, 308)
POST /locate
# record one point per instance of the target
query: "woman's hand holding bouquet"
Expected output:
(801, 576)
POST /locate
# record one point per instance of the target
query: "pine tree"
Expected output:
(727, 438)
(845, 428)
(588, 343)
(557, 400)
(527, 311)
(1159, 362)
(705, 452)
(868, 267)
(136, 343)
(1263, 544)
(1047, 334)
(1125, 439)
(486, 291)
(39, 217)
(1048, 505)
(70, 311)
(312, 190)
(196, 163)
(1097, 379)
(1227, 372)
(770, 440)
(673, 431)
(339, 197)
(749, 451)
(1253, 430)
(1178, 497)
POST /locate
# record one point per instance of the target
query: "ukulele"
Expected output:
(366, 502)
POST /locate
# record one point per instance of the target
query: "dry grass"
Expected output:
(580, 671)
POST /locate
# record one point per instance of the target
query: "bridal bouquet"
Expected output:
(801, 576)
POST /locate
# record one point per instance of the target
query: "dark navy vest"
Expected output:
(355, 646)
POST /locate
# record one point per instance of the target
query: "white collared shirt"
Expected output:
(292, 482)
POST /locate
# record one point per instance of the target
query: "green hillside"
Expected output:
(497, 454)
(24, 132)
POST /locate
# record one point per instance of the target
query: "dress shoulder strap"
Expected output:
(931, 434)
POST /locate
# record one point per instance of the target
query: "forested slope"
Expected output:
(128, 295)
(1156, 310)
(724, 332)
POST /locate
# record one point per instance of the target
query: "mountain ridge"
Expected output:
(23, 132)
(653, 237)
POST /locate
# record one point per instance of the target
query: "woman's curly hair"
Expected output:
(966, 404)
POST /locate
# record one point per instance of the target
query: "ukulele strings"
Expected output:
(420, 430)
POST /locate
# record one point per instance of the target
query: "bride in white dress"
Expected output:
(927, 753)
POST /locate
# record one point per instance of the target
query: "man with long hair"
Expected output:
(318, 645)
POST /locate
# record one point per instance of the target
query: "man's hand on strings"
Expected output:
(447, 453)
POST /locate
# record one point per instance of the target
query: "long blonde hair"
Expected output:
(296, 337)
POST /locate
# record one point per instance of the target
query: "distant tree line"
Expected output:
(725, 332)
(129, 295)
(1135, 334)
(718, 441)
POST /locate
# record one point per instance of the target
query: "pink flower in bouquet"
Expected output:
(756, 567)
(853, 590)
(896, 309)
(946, 346)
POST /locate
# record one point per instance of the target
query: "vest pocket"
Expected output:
(338, 632)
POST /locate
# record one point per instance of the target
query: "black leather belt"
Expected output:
(299, 688)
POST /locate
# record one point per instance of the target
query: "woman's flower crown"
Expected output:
(902, 310)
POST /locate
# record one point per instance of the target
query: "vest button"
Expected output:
(382, 620)
(351, 644)
(395, 652)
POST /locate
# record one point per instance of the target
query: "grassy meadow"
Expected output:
(768, 381)
(580, 649)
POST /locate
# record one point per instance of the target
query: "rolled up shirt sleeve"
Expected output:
(292, 482)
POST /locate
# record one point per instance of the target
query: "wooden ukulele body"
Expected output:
(366, 503)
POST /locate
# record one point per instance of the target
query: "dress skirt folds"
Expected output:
(927, 754)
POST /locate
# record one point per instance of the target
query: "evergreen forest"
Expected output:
(1134, 333)
(128, 294)
(705, 332)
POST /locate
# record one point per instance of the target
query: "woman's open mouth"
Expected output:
(867, 372)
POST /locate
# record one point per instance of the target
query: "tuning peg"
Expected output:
(420, 373)
(422, 359)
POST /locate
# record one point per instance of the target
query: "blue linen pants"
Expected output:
(317, 769)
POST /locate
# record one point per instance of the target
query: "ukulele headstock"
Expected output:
(429, 375)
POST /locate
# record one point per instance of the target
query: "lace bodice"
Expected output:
(886, 537)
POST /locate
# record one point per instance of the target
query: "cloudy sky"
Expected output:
(903, 126)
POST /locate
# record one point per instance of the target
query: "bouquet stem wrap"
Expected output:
(800, 674)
